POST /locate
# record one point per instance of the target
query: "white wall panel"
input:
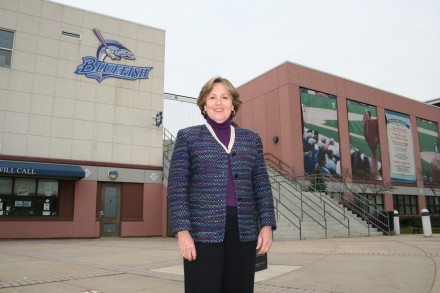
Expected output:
(179, 114)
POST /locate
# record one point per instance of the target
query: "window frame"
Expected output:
(433, 204)
(6, 49)
(406, 204)
(31, 204)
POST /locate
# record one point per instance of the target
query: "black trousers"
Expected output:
(225, 267)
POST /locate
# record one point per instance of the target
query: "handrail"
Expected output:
(320, 210)
(167, 134)
(167, 148)
(287, 217)
(367, 210)
(337, 208)
(360, 206)
(280, 165)
(326, 202)
(274, 177)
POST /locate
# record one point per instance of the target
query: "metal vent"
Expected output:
(70, 34)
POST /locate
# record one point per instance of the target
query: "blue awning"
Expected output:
(15, 168)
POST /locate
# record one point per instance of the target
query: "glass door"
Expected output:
(110, 209)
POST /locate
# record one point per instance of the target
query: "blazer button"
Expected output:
(235, 175)
(233, 153)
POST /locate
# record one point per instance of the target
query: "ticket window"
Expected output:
(28, 197)
(6, 187)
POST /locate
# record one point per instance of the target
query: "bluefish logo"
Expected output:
(95, 67)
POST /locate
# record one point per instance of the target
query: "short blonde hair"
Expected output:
(207, 88)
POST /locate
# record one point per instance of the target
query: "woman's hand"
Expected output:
(264, 240)
(186, 245)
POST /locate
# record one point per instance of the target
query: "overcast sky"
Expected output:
(393, 45)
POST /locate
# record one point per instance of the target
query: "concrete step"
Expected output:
(290, 194)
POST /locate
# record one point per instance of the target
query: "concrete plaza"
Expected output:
(402, 263)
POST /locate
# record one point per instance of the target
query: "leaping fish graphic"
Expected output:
(111, 48)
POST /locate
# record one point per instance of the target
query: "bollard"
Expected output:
(426, 223)
(396, 223)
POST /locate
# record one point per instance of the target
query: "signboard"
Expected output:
(97, 68)
(14, 168)
(400, 147)
(364, 141)
(429, 150)
(320, 133)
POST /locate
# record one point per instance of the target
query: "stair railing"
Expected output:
(320, 210)
(282, 210)
(169, 141)
(358, 204)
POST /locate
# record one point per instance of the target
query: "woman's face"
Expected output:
(218, 105)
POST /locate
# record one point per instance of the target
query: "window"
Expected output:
(6, 41)
(433, 205)
(377, 200)
(371, 203)
(25, 187)
(406, 204)
(29, 197)
(5, 186)
(47, 187)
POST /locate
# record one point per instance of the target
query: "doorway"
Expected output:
(110, 209)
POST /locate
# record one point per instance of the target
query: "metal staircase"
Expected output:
(337, 212)
(319, 215)
(303, 212)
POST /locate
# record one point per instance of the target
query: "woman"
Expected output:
(220, 196)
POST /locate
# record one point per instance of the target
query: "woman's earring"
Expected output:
(204, 112)
(233, 112)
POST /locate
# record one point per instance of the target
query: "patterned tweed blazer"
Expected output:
(197, 185)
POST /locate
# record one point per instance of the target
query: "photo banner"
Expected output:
(429, 150)
(320, 133)
(400, 147)
(364, 141)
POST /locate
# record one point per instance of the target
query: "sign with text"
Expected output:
(400, 147)
(97, 68)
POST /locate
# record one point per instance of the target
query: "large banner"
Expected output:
(428, 141)
(364, 141)
(320, 133)
(400, 147)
